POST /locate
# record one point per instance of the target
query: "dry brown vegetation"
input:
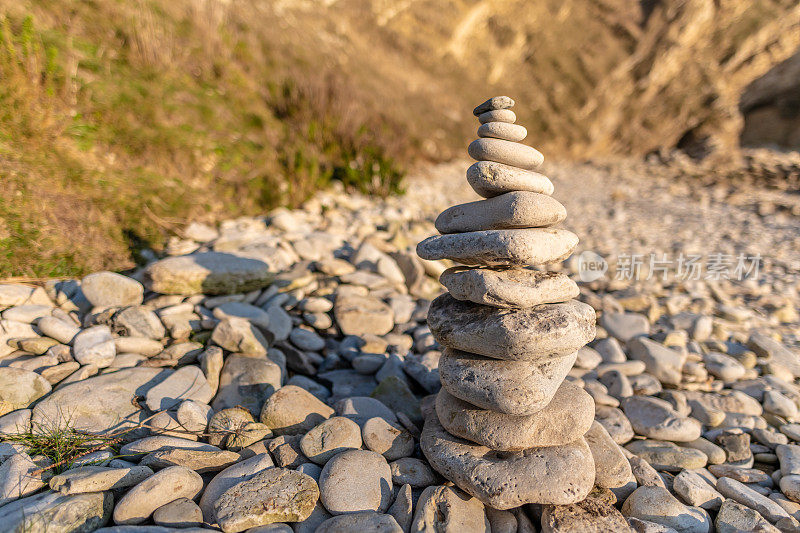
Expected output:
(121, 118)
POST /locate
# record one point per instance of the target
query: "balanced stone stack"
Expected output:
(507, 428)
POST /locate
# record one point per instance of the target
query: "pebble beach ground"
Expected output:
(279, 370)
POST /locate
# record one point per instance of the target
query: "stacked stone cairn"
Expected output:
(507, 428)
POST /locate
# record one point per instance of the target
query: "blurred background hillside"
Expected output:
(121, 119)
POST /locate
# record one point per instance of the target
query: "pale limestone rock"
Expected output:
(528, 246)
(505, 152)
(535, 334)
(512, 387)
(556, 475)
(508, 287)
(272, 495)
(502, 130)
(493, 103)
(498, 115)
(490, 179)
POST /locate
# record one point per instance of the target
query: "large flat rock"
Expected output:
(538, 333)
(512, 387)
(102, 404)
(529, 246)
(557, 475)
(19, 388)
(508, 287)
(490, 179)
(518, 209)
(207, 273)
(564, 420)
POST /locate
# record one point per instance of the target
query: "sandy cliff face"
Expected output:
(597, 76)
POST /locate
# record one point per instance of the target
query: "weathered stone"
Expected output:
(226, 424)
(656, 419)
(660, 361)
(414, 472)
(240, 336)
(53, 512)
(387, 438)
(424, 369)
(19, 476)
(730, 401)
(363, 315)
(523, 247)
(230, 477)
(285, 449)
(492, 104)
(789, 457)
(137, 449)
(730, 488)
(201, 461)
(395, 393)
(186, 383)
(490, 179)
(505, 152)
(667, 456)
(512, 387)
(645, 474)
(272, 495)
(364, 521)
(539, 333)
(207, 273)
(159, 489)
(58, 329)
(564, 420)
(612, 468)
(716, 455)
(13, 294)
(331, 437)
(498, 115)
(513, 210)
(625, 326)
(139, 321)
(734, 517)
(615, 422)
(656, 504)
(98, 479)
(94, 346)
(557, 475)
(790, 486)
(695, 490)
(20, 388)
(765, 346)
(591, 515)
(292, 411)
(508, 287)
(401, 509)
(103, 403)
(108, 289)
(737, 447)
(182, 513)
(449, 510)
(248, 382)
(502, 130)
(29, 314)
(723, 366)
(356, 480)
(10, 330)
(362, 408)
(15, 423)
(745, 475)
